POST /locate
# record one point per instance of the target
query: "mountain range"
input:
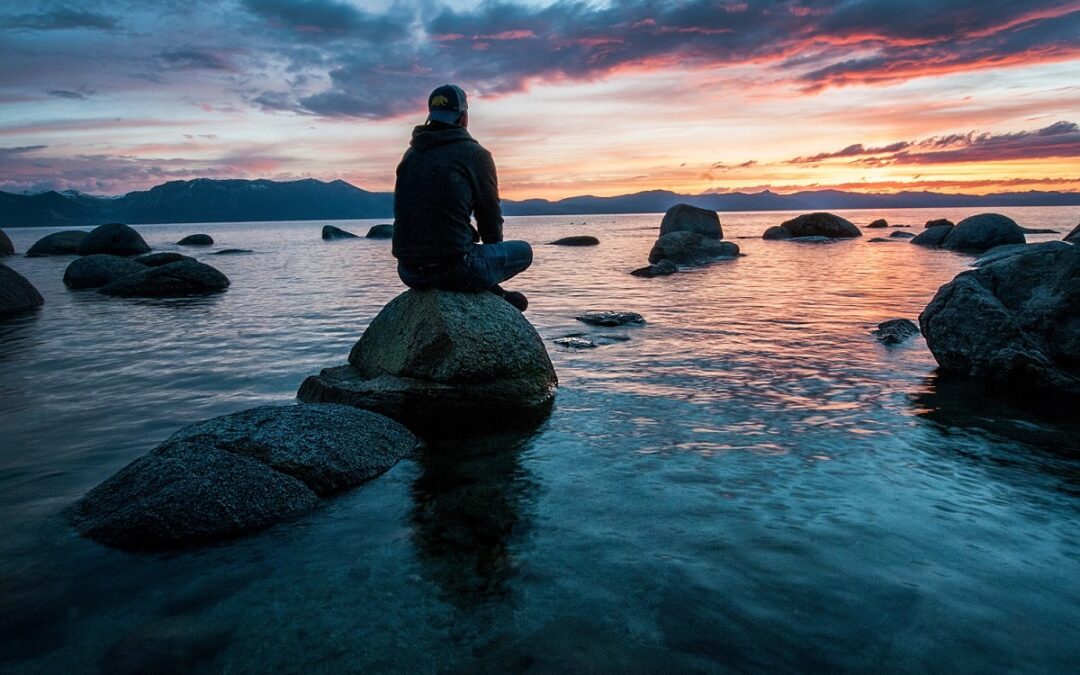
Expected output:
(205, 200)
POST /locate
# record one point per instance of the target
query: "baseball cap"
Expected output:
(446, 104)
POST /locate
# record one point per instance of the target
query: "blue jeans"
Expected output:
(482, 268)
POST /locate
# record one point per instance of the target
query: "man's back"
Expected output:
(443, 178)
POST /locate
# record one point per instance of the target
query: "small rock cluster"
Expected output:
(688, 236)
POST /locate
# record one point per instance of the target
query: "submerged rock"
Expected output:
(690, 248)
(818, 224)
(610, 318)
(1074, 236)
(1014, 321)
(57, 243)
(1038, 230)
(233, 251)
(575, 342)
(983, 232)
(895, 331)
(902, 235)
(331, 232)
(196, 240)
(882, 240)
(17, 294)
(880, 222)
(687, 218)
(443, 362)
(577, 240)
(94, 271)
(6, 247)
(932, 236)
(187, 277)
(381, 231)
(113, 238)
(159, 259)
(939, 222)
(661, 269)
(237, 474)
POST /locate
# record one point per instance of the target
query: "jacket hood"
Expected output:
(427, 136)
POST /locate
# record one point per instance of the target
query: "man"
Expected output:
(443, 179)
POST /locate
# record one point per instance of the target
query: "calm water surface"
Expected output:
(750, 482)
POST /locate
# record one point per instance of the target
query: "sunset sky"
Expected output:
(571, 97)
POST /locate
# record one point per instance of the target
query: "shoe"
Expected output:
(518, 300)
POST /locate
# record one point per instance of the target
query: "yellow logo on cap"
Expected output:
(439, 102)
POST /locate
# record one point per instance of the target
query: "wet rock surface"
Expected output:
(237, 474)
(17, 294)
(610, 318)
(114, 239)
(902, 235)
(932, 236)
(57, 243)
(381, 231)
(687, 218)
(329, 232)
(196, 240)
(820, 224)
(94, 271)
(441, 361)
(1014, 321)
(1074, 236)
(690, 248)
(895, 331)
(162, 258)
(187, 277)
(983, 232)
(6, 247)
(661, 269)
(577, 240)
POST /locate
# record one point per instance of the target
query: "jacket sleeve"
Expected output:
(489, 220)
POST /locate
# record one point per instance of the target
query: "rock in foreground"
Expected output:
(6, 247)
(196, 240)
(687, 218)
(329, 232)
(17, 294)
(815, 225)
(187, 277)
(57, 243)
(115, 239)
(94, 271)
(238, 474)
(444, 362)
(983, 232)
(577, 240)
(1015, 321)
(381, 231)
(1074, 236)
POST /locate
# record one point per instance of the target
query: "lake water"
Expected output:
(750, 482)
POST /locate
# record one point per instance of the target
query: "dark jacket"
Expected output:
(444, 177)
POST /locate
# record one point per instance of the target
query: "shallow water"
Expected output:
(750, 482)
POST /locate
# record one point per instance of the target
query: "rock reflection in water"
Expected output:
(1044, 421)
(471, 502)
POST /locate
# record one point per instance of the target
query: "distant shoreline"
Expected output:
(236, 201)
